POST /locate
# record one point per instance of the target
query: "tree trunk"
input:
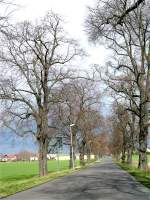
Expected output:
(123, 158)
(81, 151)
(143, 124)
(88, 153)
(129, 155)
(43, 146)
(43, 124)
(70, 161)
(142, 152)
(131, 140)
(42, 138)
(117, 157)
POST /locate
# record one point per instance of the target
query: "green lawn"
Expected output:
(17, 176)
(13, 171)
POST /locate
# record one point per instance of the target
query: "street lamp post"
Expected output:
(72, 149)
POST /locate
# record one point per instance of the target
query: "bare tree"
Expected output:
(129, 9)
(78, 98)
(116, 139)
(130, 44)
(100, 145)
(33, 56)
(89, 124)
(111, 14)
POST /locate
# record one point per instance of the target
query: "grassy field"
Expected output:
(18, 176)
(13, 171)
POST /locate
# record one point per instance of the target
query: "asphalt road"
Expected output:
(103, 181)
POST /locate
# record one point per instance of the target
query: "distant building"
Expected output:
(65, 157)
(27, 156)
(8, 157)
(51, 156)
(21, 156)
(34, 158)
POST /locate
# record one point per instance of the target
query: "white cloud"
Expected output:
(74, 12)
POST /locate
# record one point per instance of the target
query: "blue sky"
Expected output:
(11, 143)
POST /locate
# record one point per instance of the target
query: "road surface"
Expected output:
(102, 181)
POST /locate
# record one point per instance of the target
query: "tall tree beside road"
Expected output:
(130, 42)
(34, 56)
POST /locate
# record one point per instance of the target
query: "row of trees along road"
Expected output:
(80, 106)
(38, 90)
(125, 29)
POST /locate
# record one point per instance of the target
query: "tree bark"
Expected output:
(123, 158)
(142, 152)
(70, 161)
(42, 138)
(129, 155)
(82, 152)
(131, 140)
(43, 146)
(143, 125)
(88, 153)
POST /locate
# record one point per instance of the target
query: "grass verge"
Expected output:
(140, 175)
(11, 187)
(7, 189)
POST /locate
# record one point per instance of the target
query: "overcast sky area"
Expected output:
(74, 13)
